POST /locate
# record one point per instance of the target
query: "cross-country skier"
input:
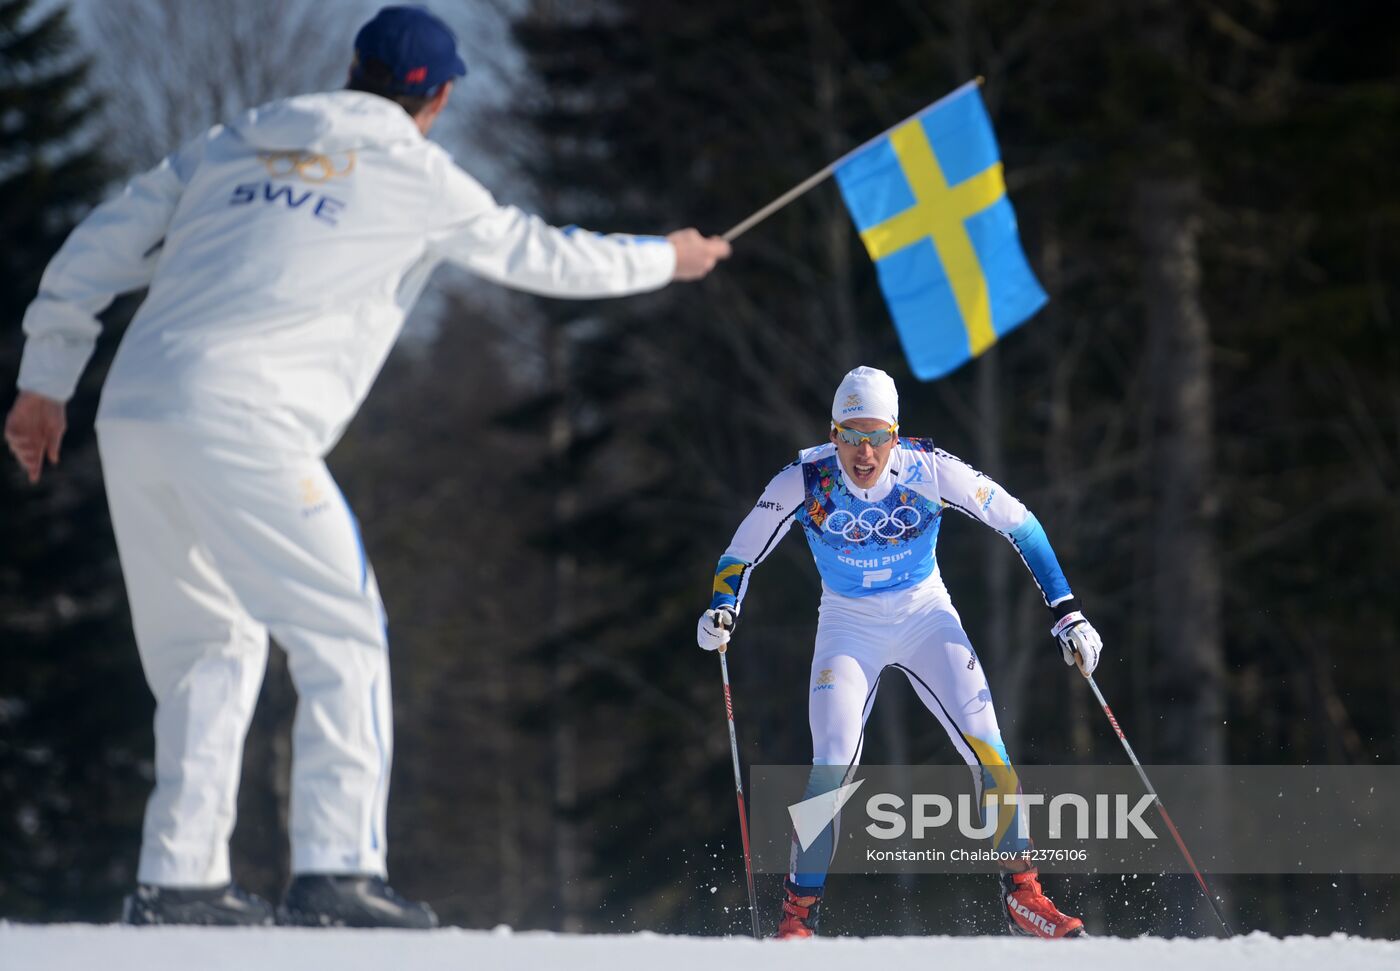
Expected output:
(281, 253)
(870, 504)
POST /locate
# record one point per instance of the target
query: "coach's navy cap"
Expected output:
(418, 49)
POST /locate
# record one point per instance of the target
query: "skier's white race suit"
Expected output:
(884, 606)
(281, 253)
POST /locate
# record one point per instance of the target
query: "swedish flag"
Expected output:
(930, 203)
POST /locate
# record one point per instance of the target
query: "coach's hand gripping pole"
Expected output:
(1210, 898)
(739, 790)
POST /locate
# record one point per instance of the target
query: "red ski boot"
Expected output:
(1030, 913)
(800, 917)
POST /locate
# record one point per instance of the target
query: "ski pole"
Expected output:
(1210, 899)
(739, 791)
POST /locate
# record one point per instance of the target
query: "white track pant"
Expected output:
(918, 633)
(220, 545)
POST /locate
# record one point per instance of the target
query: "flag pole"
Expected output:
(811, 182)
(817, 178)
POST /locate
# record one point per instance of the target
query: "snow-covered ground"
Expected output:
(83, 947)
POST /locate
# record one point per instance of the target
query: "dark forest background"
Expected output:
(1206, 418)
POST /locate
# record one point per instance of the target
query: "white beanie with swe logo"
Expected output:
(866, 392)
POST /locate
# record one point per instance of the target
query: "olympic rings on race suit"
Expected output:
(856, 527)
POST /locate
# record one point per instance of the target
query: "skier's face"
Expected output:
(865, 462)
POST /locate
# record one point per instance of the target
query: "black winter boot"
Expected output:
(227, 906)
(350, 900)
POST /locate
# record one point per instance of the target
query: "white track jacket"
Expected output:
(282, 254)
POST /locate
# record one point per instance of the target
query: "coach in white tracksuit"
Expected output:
(281, 253)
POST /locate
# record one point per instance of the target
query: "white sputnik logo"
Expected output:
(811, 816)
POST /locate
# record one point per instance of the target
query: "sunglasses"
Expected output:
(856, 437)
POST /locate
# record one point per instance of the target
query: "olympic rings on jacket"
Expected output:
(307, 166)
(874, 520)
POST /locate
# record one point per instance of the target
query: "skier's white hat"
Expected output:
(866, 392)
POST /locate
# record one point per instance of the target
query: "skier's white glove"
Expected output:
(1079, 642)
(714, 628)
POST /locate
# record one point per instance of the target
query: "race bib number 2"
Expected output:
(873, 577)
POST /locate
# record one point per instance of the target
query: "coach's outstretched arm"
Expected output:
(112, 251)
(522, 251)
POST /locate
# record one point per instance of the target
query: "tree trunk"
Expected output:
(834, 230)
(990, 454)
(564, 741)
(1187, 677)
(509, 865)
(1186, 591)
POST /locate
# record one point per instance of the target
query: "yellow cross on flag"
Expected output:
(929, 200)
